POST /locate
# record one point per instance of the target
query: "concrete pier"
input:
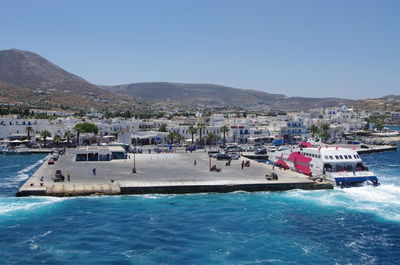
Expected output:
(160, 173)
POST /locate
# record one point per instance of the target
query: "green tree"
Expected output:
(173, 137)
(314, 129)
(57, 139)
(45, 134)
(193, 131)
(29, 129)
(200, 127)
(68, 135)
(212, 138)
(224, 130)
(163, 128)
(85, 127)
(378, 120)
(325, 128)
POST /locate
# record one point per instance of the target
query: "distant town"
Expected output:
(36, 128)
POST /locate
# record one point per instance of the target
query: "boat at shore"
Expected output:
(16, 150)
(339, 165)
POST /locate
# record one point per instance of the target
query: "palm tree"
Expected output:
(29, 129)
(170, 137)
(68, 135)
(224, 130)
(200, 126)
(212, 138)
(193, 131)
(78, 130)
(44, 134)
(57, 139)
(179, 138)
(314, 129)
(325, 127)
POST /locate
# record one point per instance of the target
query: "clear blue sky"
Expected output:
(319, 48)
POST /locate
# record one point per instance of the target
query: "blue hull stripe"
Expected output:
(355, 180)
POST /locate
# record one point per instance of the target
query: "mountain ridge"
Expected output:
(27, 78)
(209, 94)
(48, 84)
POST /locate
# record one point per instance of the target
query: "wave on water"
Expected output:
(22, 175)
(13, 206)
(382, 201)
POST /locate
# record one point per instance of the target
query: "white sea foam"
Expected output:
(382, 201)
(22, 175)
(11, 206)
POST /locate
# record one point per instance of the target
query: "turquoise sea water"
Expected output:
(349, 226)
(393, 127)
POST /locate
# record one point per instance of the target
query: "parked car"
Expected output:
(271, 148)
(234, 155)
(250, 149)
(260, 151)
(211, 153)
(215, 155)
(223, 157)
(50, 162)
(59, 177)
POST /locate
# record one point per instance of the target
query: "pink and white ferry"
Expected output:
(339, 165)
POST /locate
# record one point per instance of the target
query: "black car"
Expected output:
(211, 153)
(261, 152)
(223, 157)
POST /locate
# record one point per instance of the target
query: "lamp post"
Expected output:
(134, 157)
(209, 157)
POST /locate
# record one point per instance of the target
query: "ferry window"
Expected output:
(331, 157)
(326, 157)
(355, 156)
(319, 156)
(345, 156)
(341, 157)
(336, 157)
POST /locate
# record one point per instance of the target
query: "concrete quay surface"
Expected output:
(160, 173)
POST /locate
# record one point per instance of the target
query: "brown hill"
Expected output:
(41, 82)
(27, 78)
(386, 103)
(210, 94)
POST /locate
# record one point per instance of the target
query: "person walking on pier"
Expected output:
(94, 172)
(69, 176)
(242, 164)
(195, 162)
